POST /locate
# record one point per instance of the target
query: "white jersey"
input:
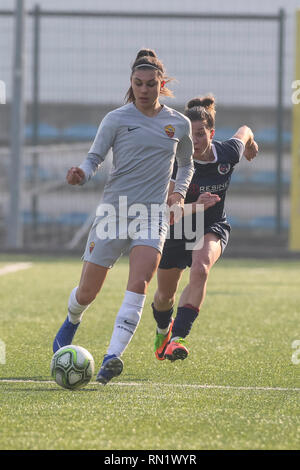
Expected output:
(144, 149)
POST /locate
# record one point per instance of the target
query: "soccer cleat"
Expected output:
(111, 367)
(161, 342)
(176, 350)
(65, 335)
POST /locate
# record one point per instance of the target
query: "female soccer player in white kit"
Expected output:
(145, 138)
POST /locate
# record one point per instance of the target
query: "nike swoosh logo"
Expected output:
(132, 128)
(129, 323)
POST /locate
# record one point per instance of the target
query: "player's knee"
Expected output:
(167, 298)
(139, 286)
(199, 272)
(85, 295)
(164, 300)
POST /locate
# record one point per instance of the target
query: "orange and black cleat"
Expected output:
(176, 350)
(161, 341)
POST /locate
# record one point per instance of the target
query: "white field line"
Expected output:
(13, 268)
(138, 384)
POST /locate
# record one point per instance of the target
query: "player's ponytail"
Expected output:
(202, 109)
(147, 59)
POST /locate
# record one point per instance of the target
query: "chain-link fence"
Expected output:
(78, 68)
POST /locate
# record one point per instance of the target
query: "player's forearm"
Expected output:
(250, 137)
(171, 187)
(183, 179)
(90, 166)
(245, 134)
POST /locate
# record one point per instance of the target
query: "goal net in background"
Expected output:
(54, 214)
(78, 69)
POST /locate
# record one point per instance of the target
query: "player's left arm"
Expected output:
(171, 187)
(185, 165)
(184, 174)
(245, 134)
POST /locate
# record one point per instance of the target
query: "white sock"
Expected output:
(176, 338)
(126, 322)
(163, 331)
(75, 310)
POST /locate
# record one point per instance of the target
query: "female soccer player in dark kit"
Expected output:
(145, 137)
(214, 163)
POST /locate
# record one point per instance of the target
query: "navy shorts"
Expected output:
(176, 256)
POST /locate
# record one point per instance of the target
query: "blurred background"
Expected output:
(70, 64)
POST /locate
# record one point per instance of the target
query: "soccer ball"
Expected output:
(72, 367)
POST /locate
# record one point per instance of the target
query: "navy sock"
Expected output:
(184, 320)
(162, 318)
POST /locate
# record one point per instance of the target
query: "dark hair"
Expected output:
(202, 109)
(149, 59)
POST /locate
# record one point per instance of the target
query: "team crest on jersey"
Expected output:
(92, 246)
(170, 130)
(224, 168)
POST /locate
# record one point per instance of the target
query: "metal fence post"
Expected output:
(294, 239)
(280, 111)
(15, 231)
(35, 111)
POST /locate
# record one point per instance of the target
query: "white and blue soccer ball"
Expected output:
(72, 367)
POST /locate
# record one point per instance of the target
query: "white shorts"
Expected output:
(107, 243)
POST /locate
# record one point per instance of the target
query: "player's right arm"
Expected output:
(204, 202)
(102, 143)
(75, 175)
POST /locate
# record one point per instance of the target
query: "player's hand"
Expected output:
(208, 200)
(75, 175)
(251, 151)
(176, 204)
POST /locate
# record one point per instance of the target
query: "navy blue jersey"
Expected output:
(214, 177)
